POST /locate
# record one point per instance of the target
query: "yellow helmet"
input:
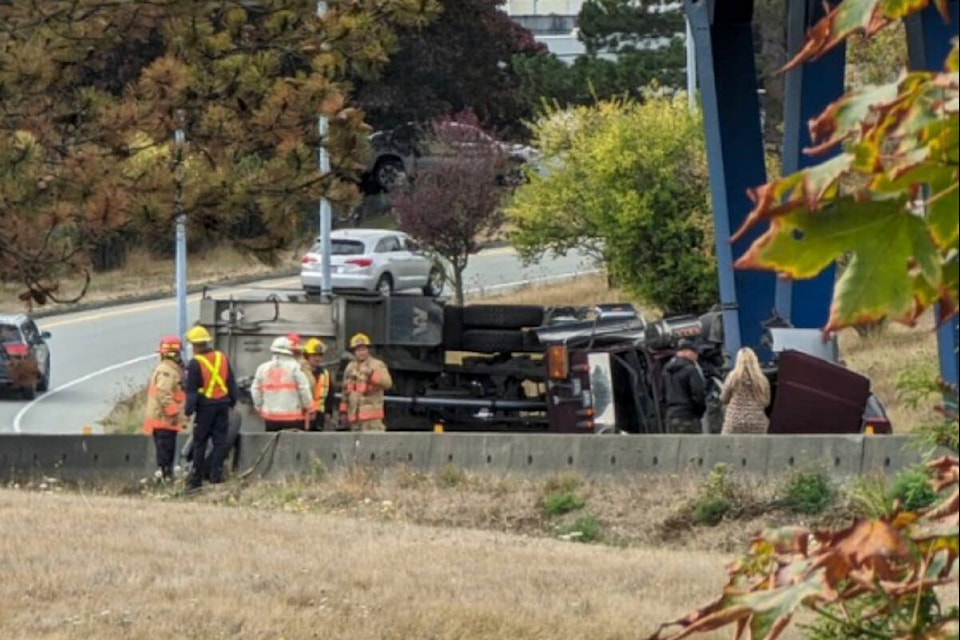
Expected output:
(360, 340)
(198, 334)
(315, 346)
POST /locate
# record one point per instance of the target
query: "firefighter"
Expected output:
(211, 394)
(364, 381)
(323, 401)
(280, 391)
(165, 399)
(297, 347)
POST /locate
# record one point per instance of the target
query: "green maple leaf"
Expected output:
(884, 238)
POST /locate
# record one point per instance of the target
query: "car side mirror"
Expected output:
(45, 335)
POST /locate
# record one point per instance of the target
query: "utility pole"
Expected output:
(691, 68)
(326, 288)
(181, 226)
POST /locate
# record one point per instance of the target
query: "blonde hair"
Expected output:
(748, 377)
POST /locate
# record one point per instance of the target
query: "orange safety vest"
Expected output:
(213, 375)
(160, 417)
(321, 391)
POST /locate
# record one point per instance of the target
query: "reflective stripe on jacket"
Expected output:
(363, 387)
(165, 399)
(214, 370)
(321, 391)
(281, 391)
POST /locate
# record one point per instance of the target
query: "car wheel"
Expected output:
(385, 285)
(435, 282)
(29, 393)
(44, 384)
(389, 174)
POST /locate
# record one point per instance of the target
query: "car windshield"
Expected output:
(341, 248)
(10, 333)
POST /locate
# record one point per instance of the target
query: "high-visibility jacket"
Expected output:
(280, 390)
(322, 391)
(165, 398)
(214, 371)
(363, 387)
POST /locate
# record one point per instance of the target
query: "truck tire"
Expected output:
(452, 327)
(502, 316)
(492, 341)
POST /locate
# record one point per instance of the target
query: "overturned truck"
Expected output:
(496, 367)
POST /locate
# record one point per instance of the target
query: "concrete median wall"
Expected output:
(270, 455)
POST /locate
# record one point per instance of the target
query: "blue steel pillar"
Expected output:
(928, 42)
(810, 88)
(731, 110)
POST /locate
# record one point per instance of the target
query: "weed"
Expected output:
(716, 499)
(808, 492)
(869, 496)
(912, 488)
(450, 476)
(710, 510)
(563, 483)
(318, 470)
(557, 504)
(586, 528)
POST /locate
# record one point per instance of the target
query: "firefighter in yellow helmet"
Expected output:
(364, 382)
(211, 394)
(323, 402)
(165, 399)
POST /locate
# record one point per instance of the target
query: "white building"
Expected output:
(552, 22)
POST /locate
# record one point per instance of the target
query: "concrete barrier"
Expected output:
(272, 455)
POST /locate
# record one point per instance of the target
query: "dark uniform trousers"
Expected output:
(165, 441)
(212, 424)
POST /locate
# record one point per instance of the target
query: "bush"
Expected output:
(584, 529)
(808, 492)
(912, 488)
(717, 498)
(451, 476)
(557, 504)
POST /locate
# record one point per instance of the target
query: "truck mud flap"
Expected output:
(492, 341)
(502, 316)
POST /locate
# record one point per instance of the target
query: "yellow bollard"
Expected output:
(438, 427)
(87, 430)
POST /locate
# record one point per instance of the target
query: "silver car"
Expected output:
(374, 260)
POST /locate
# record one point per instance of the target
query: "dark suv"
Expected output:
(24, 355)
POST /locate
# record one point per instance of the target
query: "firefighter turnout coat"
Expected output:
(363, 387)
(165, 398)
(281, 391)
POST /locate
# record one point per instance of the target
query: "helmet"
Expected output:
(296, 342)
(170, 345)
(315, 346)
(360, 340)
(282, 346)
(198, 334)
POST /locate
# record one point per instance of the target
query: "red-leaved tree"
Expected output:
(455, 197)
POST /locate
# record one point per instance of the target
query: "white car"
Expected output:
(374, 260)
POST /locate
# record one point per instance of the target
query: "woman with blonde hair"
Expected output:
(746, 394)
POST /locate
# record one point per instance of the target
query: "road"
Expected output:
(101, 355)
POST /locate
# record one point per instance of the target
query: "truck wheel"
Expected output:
(502, 316)
(492, 341)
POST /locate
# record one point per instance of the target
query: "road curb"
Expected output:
(160, 295)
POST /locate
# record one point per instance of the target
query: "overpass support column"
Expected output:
(727, 73)
(928, 42)
(810, 88)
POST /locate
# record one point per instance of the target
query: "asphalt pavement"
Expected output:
(97, 356)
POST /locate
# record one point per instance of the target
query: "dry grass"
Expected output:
(127, 413)
(583, 291)
(347, 557)
(883, 356)
(144, 274)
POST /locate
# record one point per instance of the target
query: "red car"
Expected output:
(24, 355)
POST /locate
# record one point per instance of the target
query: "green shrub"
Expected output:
(808, 492)
(557, 504)
(586, 528)
(451, 476)
(716, 499)
(912, 488)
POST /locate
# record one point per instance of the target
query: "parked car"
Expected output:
(400, 152)
(374, 260)
(24, 355)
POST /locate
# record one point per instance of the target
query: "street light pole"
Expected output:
(691, 68)
(326, 289)
(181, 227)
